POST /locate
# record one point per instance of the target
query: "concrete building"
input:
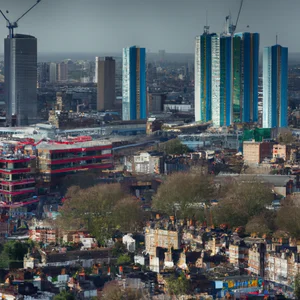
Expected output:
(134, 93)
(96, 69)
(156, 102)
(52, 72)
(147, 163)
(62, 72)
(256, 152)
(20, 70)
(212, 141)
(257, 259)
(283, 151)
(238, 255)
(178, 107)
(57, 159)
(43, 73)
(106, 83)
(275, 87)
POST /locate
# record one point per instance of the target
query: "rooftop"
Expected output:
(276, 180)
(64, 144)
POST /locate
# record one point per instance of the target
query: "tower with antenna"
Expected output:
(20, 70)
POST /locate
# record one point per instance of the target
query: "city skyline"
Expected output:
(73, 23)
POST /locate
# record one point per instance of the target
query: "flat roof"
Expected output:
(57, 146)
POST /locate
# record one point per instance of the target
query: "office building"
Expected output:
(20, 70)
(161, 55)
(213, 79)
(203, 76)
(134, 100)
(96, 69)
(52, 72)
(275, 85)
(106, 86)
(62, 71)
(42, 73)
(245, 65)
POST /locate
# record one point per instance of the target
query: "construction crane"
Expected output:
(12, 25)
(233, 27)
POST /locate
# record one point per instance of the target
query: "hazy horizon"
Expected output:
(76, 26)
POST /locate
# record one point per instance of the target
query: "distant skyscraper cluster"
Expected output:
(134, 102)
(226, 79)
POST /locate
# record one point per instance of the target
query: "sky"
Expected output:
(109, 25)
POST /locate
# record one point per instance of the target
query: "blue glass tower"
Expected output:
(203, 76)
(134, 98)
(245, 77)
(275, 86)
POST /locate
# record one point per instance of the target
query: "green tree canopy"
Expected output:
(288, 218)
(184, 193)
(261, 224)
(178, 285)
(124, 259)
(101, 209)
(64, 295)
(173, 147)
(297, 286)
(286, 138)
(242, 201)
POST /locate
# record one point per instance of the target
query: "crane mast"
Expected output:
(237, 19)
(12, 25)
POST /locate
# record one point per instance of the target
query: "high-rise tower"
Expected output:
(203, 75)
(20, 70)
(106, 83)
(134, 94)
(275, 86)
(213, 78)
(245, 77)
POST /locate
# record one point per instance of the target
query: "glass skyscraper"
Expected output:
(275, 86)
(226, 77)
(134, 98)
(213, 79)
(203, 76)
(245, 77)
(20, 70)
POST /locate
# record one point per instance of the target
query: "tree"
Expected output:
(82, 179)
(97, 209)
(14, 251)
(118, 249)
(286, 138)
(261, 224)
(182, 193)
(297, 286)
(242, 201)
(173, 147)
(64, 295)
(178, 285)
(124, 259)
(288, 218)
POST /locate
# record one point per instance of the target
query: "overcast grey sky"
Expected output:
(109, 25)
